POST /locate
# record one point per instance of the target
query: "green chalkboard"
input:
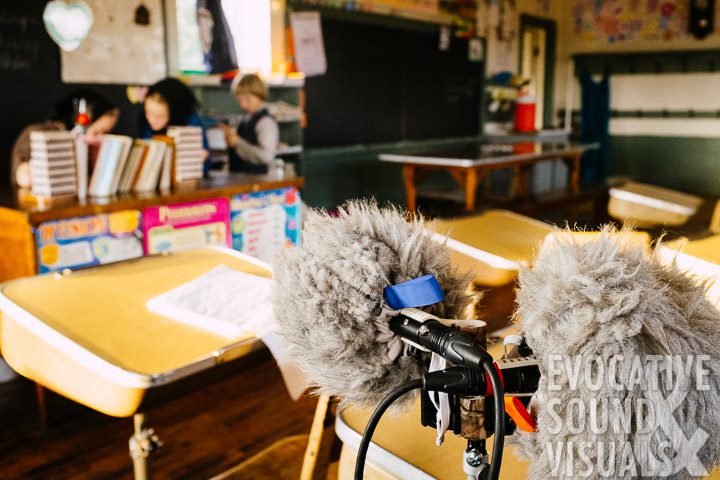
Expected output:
(389, 82)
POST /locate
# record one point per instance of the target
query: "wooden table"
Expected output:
(471, 162)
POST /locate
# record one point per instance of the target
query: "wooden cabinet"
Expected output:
(19, 218)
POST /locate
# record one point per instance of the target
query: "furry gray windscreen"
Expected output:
(605, 298)
(329, 290)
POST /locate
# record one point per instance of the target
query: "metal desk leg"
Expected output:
(573, 164)
(143, 442)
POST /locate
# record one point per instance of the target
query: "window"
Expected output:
(249, 22)
(190, 57)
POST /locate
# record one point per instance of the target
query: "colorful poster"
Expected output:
(265, 222)
(175, 227)
(86, 241)
(621, 20)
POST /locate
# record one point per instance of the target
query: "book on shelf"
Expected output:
(51, 188)
(189, 153)
(110, 161)
(168, 162)
(54, 155)
(51, 136)
(132, 166)
(149, 174)
(55, 163)
(127, 143)
(40, 173)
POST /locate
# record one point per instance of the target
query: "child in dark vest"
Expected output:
(253, 145)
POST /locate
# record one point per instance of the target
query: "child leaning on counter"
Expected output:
(170, 102)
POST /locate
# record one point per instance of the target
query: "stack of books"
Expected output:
(139, 166)
(189, 153)
(52, 164)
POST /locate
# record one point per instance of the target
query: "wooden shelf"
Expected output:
(221, 186)
(19, 219)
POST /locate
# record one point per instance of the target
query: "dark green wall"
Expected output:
(688, 164)
(331, 180)
(333, 175)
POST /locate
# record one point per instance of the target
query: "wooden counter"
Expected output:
(19, 218)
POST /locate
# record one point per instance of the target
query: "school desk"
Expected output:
(471, 162)
(89, 336)
(492, 245)
(700, 258)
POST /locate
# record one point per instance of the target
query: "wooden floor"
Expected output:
(205, 431)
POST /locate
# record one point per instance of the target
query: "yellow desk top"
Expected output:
(89, 335)
(700, 258)
(501, 238)
(707, 249)
(658, 197)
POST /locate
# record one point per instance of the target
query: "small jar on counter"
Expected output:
(278, 168)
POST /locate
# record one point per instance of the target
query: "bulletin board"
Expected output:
(117, 50)
(620, 20)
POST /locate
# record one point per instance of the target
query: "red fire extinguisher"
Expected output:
(525, 114)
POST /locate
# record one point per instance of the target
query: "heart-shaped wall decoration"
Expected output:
(68, 22)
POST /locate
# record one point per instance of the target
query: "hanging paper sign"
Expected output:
(475, 50)
(444, 39)
(308, 43)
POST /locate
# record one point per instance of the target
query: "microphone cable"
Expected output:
(498, 441)
(375, 419)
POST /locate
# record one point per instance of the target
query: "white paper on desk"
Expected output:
(222, 301)
(230, 303)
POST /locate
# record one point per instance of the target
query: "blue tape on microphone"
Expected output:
(417, 292)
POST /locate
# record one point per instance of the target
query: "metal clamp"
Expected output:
(143, 442)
